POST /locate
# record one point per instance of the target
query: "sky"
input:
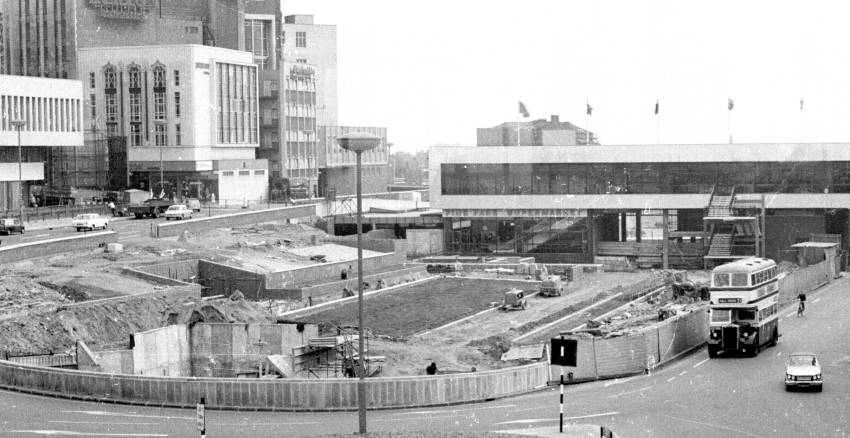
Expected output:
(432, 72)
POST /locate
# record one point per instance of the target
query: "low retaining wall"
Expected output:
(176, 228)
(605, 358)
(77, 243)
(803, 280)
(391, 278)
(277, 394)
(321, 272)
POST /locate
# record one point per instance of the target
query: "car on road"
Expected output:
(89, 221)
(9, 225)
(194, 204)
(178, 211)
(802, 370)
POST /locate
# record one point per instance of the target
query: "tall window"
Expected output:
(176, 78)
(257, 41)
(159, 106)
(135, 107)
(159, 98)
(160, 134)
(91, 80)
(135, 134)
(159, 77)
(135, 76)
(109, 77)
(176, 104)
(111, 108)
(300, 39)
(93, 104)
(178, 135)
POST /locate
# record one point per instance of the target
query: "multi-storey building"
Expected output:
(654, 204)
(305, 42)
(190, 115)
(540, 132)
(52, 112)
(337, 174)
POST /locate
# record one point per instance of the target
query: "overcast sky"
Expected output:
(433, 72)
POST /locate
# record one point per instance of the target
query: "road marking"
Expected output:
(816, 300)
(453, 411)
(682, 373)
(791, 314)
(671, 379)
(120, 414)
(544, 420)
(701, 362)
(715, 425)
(294, 423)
(779, 354)
(75, 433)
(630, 392)
(103, 422)
(616, 381)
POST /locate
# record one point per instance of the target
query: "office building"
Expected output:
(338, 166)
(539, 132)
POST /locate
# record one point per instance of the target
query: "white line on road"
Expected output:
(671, 379)
(779, 354)
(111, 423)
(629, 392)
(816, 300)
(791, 314)
(715, 425)
(682, 373)
(74, 433)
(120, 414)
(544, 420)
(453, 411)
(701, 362)
(616, 381)
(293, 423)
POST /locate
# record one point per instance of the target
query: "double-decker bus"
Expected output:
(744, 306)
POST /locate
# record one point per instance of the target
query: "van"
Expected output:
(193, 204)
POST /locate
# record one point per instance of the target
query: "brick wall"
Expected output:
(76, 243)
(176, 228)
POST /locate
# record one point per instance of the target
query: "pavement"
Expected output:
(570, 431)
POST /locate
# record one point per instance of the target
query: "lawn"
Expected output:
(420, 307)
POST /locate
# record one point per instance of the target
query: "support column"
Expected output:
(593, 236)
(624, 230)
(638, 228)
(763, 228)
(665, 242)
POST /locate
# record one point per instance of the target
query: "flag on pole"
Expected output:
(801, 104)
(523, 110)
(656, 107)
(731, 104)
(589, 110)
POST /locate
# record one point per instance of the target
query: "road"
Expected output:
(694, 397)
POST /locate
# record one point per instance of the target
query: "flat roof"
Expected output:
(747, 262)
(814, 245)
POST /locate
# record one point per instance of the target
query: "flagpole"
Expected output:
(517, 130)
(802, 129)
(729, 123)
(657, 123)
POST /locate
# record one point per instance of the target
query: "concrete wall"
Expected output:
(277, 394)
(370, 243)
(324, 271)
(424, 242)
(803, 280)
(219, 279)
(177, 273)
(175, 228)
(162, 352)
(115, 361)
(334, 288)
(76, 243)
(784, 230)
(226, 350)
(602, 358)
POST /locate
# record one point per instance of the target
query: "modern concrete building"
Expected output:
(660, 205)
(189, 112)
(338, 171)
(540, 132)
(305, 42)
(53, 112)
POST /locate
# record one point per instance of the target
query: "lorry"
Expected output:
(153, 207)
(552, 286)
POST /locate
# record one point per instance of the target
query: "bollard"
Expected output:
(202, 420)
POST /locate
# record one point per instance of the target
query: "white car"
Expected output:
(89, 221)
(178, 211)
(802, 370)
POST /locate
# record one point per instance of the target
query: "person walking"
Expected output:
(802, 306)
(112, 207)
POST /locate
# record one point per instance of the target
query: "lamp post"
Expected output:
(358, 142)
(18, 124)
(158, 123)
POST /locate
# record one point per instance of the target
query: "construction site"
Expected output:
(277, 300)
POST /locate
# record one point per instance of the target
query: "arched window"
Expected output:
(109, 76)
(158, 76)
(135, 76)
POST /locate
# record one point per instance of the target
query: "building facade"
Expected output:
(540, 132)
(52, 110)
(676, 204)
(338, 166)
(305, 42)
(189, 113)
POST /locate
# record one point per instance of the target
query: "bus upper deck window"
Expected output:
(721, 280)
(739, 279)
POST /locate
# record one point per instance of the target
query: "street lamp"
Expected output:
(358, 142)
(18, 124)
(158, 123)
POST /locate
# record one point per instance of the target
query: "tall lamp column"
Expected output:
(359, 142)
(18, 124)
(158, 123)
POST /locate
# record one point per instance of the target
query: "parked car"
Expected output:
(89, 221)
(194, 204)
(178, 211)
(802, 370)
(9, 225)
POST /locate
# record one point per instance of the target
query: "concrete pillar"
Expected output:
(593, 236)
(637, 225)
(665, 242)
(624, 230)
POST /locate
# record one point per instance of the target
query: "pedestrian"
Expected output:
(344, 274)
(802, 306)
(431, 369)
(112, 207)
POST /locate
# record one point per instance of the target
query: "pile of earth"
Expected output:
(109, 323)
(19, 293)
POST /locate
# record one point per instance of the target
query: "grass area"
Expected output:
(420, 307)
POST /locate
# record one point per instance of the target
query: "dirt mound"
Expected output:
(20, 293)
(110, 323)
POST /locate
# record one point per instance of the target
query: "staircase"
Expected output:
(721, 245)
(721, 206)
